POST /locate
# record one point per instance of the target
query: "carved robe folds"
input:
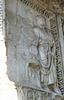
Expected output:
(47, 60)
(46, 53)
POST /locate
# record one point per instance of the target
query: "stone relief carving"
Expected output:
(36, 52)
(46, 53)
(35, 5)
(32, 94)
(59, 69)
(46, 8)
(34, 46)
(48, 64)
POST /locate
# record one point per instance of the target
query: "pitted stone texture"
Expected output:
(21, 50)
(27, 37)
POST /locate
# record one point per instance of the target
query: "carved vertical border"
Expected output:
(1, 17)
(3, 10)
(62, 23)
(59, 67)
(59, 22)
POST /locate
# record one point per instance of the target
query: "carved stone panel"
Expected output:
(34, 94)
(33, 50)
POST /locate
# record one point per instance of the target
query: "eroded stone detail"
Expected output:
(63, 27)
(33, 94)
(46, 53)
(58, 55)
(35, 5)
(33, 51)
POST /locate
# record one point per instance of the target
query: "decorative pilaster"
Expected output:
(59, 66)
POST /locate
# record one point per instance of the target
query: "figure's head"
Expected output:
(40, 21)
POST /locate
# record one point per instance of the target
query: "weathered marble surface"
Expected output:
(25, 93)
(30, 51)
(29, 42)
